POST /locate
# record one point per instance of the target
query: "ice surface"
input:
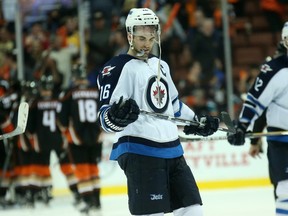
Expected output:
(236, 202)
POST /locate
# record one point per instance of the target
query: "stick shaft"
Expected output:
(179, 120)
(248, 135)
(170, 118)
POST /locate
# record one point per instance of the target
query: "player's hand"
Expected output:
(237, 138)
(123, 113)
(208, 126)
(256, 149)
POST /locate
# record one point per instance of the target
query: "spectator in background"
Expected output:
(8, 71)
(69, 32)
(6, 43)
(205, 48)
(274, 12)
(98, 40)
(196, 22)
(119, 42)
(179, 57)
(37, 34)
(53, 21)
(63, 57)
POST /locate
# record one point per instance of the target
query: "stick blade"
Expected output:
(22, 116)
(225, 117)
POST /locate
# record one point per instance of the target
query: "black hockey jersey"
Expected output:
(78, 112)
(42, 125)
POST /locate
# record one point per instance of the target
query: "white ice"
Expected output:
(235, 202)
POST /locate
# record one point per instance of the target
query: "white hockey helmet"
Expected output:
(141, 17)
(284, 35)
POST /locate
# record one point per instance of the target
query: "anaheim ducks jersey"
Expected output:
(42, 125)
(269, 91)
(127, 76)
(78, 113)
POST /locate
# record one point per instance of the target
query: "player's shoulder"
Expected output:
(274, 65)
(115, 65)
(153, 59)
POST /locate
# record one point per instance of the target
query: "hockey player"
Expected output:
(148, 148)
(24, 173)
(6, 147)
(78, 120)
(46, 137)
(269, 92)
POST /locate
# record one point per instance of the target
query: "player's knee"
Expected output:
(195, 210)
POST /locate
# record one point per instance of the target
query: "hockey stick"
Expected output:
(7, 160)
(225, 117)
(228, 122)
(21, 122)
(247, 135)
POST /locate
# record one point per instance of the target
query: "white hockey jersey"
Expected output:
(269, 91)
(127, 76)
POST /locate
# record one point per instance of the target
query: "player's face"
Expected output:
(143, 41)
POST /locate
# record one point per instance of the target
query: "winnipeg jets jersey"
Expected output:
(127, 76)
(269, 91)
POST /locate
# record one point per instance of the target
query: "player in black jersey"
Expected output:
(269, 93)
(44, 137)
(6, 146)
(78, 119)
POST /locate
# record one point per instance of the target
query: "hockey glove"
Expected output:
(238, 138)
(123, 113)
(211, 125)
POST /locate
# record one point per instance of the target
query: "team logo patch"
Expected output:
(107, 71)
(265, 68)
(157, 94)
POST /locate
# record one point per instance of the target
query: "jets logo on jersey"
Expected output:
(157, 94)
(265, 68)
(107, 71)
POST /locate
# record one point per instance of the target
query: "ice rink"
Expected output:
(236, 202)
